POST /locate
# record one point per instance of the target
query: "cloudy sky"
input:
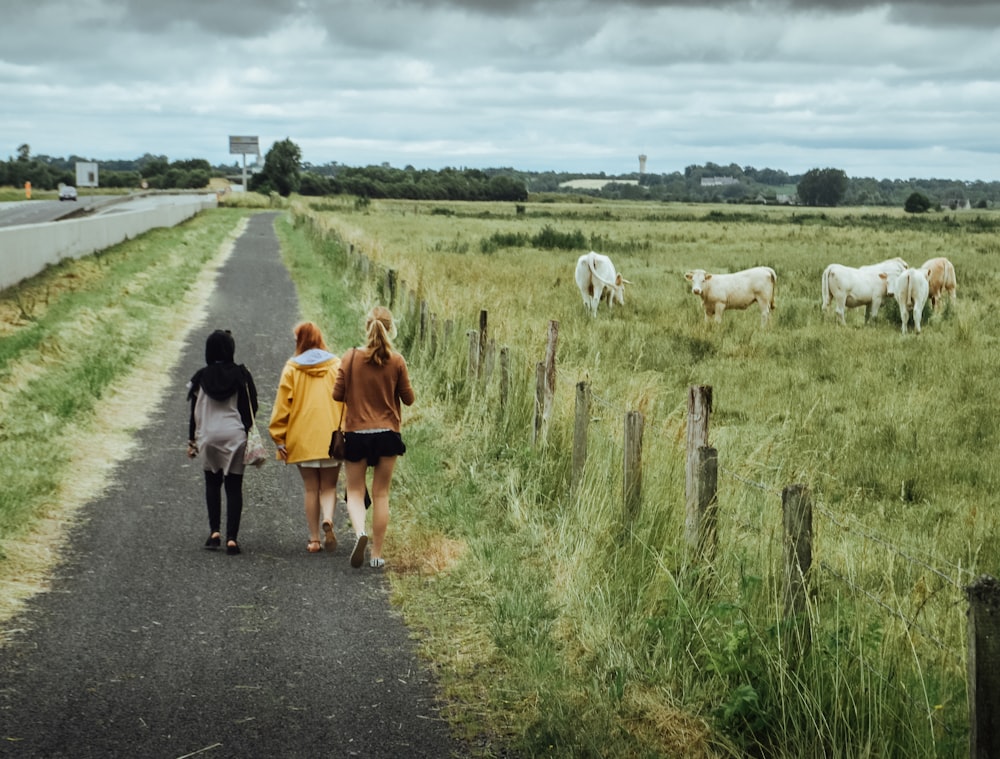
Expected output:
(888, 90)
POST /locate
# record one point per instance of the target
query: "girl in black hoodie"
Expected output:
(222, 395)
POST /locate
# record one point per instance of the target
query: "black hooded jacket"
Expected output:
(221, 377)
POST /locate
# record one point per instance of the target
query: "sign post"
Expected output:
(244, 145)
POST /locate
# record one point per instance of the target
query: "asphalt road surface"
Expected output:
(148, 645)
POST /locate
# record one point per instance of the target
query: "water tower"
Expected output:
(642, 163)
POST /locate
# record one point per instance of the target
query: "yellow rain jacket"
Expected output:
(305, 415)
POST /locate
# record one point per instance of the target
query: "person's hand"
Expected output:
(192, 449)
(282, 453)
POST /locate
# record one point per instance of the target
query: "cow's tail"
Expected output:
(826, 288)
(595, 275)
(774, 287)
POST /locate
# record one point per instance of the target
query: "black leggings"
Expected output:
(234, 501)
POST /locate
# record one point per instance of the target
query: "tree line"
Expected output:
(284, 173)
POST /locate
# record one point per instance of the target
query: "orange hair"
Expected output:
(308, 335)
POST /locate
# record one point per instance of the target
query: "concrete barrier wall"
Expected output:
(26, 250)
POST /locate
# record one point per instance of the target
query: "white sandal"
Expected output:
(376, 563)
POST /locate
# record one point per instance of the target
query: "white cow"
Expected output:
(738, 290)
(912, 287)
(850, 287)
(597, 279)
(941, 279)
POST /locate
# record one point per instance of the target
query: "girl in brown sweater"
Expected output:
(373, 382)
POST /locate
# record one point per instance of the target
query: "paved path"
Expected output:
(149, 646)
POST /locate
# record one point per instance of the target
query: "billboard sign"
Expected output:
(244, 145)
(86, 174)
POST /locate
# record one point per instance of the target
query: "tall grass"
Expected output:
(583, 634)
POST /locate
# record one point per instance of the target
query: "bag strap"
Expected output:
(253, 421)
(347, 383)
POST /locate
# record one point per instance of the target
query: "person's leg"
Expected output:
(328, 502)
(213, 500)
(381, 481)
(356, 508)
(234, 507)
(311, 480)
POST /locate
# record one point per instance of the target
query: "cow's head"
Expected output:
(697, 278)
(618, 291)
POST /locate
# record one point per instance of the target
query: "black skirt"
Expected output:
(372, 446)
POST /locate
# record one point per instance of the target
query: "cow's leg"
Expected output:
(839, 311)
(872, 310)
(765, 311)
(904, 316)
(719, 308)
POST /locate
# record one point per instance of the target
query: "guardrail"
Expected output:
(27, 249)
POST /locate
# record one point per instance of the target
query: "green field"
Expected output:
(556, 625)
(578, 632)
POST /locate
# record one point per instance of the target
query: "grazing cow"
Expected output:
(911, 291)
(738, 290)
(597, 279)
(850, 287)
(940, 279)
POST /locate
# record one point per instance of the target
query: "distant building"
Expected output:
(642, 163)
(718, 181)
(595, 184)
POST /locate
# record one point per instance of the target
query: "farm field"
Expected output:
(579, 632)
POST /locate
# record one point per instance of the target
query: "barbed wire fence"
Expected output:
(982, 593)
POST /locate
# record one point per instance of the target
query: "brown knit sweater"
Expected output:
(373, 393)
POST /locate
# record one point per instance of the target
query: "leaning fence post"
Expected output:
(581, 421)
(796, 510)
(632, 464)
(984, 667)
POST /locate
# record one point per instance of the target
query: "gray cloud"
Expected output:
(899, 90)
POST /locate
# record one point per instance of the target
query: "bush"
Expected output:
(917, 203)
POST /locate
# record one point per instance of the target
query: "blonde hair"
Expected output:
(379, 330)
(307, 336)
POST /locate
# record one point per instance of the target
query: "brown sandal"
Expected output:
(314, 546)
(330, 542)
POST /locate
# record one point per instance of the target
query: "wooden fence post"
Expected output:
(482, 340)
(488, 360)
(701, 517)
(699, 411)
(473, 354)
(581, 422)
(390, 287)
(984, 667)
(424, 314)
(550, 370)
(796, 509)
(632, 464)
(504, 377)
(539, 400)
